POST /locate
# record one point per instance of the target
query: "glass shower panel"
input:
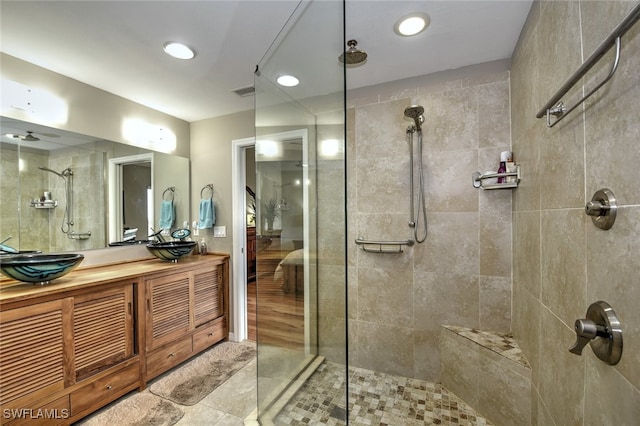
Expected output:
(300, 180)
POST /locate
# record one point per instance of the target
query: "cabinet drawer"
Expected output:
(163, 359)
(105, 389)
(209, 334)
(52, 413)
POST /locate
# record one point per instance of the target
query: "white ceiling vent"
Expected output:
(245, 91)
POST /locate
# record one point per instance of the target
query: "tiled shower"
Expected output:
(525, 262)
(461, 275)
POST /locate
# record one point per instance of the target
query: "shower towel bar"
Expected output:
(555, 106)
(382, 244)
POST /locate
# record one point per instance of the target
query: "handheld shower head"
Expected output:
(415, 112)
(66, 172)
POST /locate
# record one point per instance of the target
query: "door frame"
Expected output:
(114, 224)
(239, 224)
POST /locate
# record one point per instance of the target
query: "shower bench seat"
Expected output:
(488, 371)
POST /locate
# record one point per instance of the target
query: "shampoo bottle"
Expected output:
(505, 156)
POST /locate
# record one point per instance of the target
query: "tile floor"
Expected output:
(375, 399)
(228, 405)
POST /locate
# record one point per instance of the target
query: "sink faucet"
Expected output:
(5, 248)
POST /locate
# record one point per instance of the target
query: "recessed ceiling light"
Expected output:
(412, 24)
(178, 50)
(287, 81)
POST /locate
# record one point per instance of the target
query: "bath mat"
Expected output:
(137, 409)
(197, 378)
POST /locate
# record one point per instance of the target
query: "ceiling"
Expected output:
(117, 45)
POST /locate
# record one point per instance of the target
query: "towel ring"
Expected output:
(207, 186)
(172, 190)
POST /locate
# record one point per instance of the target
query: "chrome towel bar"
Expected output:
(383, 246)
(555, 106)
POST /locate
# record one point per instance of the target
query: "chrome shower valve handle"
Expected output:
(602, 208)
(601, 329)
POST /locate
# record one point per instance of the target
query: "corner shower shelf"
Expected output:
(478, 177)
(44, 204)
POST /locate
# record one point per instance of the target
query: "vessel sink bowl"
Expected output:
(171, 250)
(39, 268)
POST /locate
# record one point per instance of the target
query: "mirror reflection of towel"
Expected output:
(207, 214)
(167, 214)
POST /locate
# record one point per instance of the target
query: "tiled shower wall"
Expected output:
(461, 275)
(40, 228)
(562, 262)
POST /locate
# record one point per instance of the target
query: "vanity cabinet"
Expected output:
(65, 357)
(69, 349)
(36, 358)
(185, 314)
(102, 329)
(106, 365)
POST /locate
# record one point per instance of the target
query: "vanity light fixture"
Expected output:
(287, 81)
(178, 50)
(329, 147)
(412, 24)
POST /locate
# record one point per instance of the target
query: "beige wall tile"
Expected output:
(460, 362)
(426, 353)
(562, 380)
(495, 304)
(447, 180)
(504, 397)
(563, 263)
(526, 328)
(451, 119)
(385, 348)
(526, 251)
(609, 398)
(494, 124)
(385, 296)
(612, 274)
(561, 167)
(452, 244)
(445, 298)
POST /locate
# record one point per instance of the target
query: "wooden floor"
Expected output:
(275, 318)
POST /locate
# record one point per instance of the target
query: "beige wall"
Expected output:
(211, 163)
(92, 111)
(562, 262)
(461, 275)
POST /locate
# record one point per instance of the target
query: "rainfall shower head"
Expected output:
(66, 172)
(353, 55)
(415, 112)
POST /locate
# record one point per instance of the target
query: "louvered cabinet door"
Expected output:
(168, 309)
(207, 297)
(35, 352)
(102, 329)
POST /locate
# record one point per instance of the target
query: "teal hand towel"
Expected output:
(207, 214)
(167, 214)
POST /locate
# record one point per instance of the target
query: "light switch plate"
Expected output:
(219, 231)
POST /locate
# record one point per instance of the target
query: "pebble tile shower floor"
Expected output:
(374, 399)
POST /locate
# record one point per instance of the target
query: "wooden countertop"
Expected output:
(15, 291)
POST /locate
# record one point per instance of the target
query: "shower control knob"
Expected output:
(586, 330)
(601, 329)
(596, 208)
(602, 208)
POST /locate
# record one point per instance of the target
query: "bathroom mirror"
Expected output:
(48, 170)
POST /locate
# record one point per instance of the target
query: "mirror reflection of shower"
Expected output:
(415, 112)
(67, 221)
